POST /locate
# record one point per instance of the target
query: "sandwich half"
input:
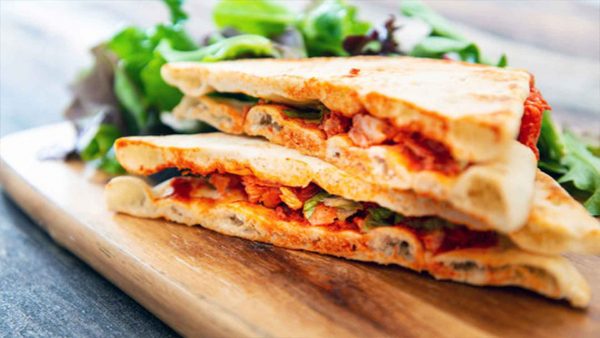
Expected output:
(257, 190)
(459, 133)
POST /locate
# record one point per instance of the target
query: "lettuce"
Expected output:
(235, 47)
(308, 114)
(261, 17)
(326, 25)
(567, 158)
(379, 216)
(310, 204)
(444, 40)
(178, 15)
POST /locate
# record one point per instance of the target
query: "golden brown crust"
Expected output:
(551, 276)
(558, 223)
(475, 110)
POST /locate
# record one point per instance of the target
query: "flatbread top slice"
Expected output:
(475, 110)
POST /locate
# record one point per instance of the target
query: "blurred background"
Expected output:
(45, 44)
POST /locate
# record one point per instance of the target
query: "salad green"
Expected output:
(566, 157)
(126, 94)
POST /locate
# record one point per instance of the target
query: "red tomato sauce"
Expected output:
(436, 240)
(182, 188)
(531, 122)
(426, 154)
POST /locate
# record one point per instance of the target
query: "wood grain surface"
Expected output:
(203, 283)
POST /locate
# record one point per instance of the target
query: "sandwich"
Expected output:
(257, 190)
(459, 133)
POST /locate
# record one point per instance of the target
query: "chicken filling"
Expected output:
(312, 206)
(422, 152)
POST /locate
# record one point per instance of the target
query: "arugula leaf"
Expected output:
(227, 49)
(326, 25)
(261, 17)
(178, 15)
(310, 204)
(311, 115)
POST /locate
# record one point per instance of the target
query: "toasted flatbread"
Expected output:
(556, 223)
(498, 192)
(501, 265)
(475, 110)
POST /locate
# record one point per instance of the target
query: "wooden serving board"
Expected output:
(203, 283)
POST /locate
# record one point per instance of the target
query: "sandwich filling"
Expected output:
(422, 153)
(311, 206)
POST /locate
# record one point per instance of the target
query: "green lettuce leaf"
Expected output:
(158, 93)
(436, 46)
(326, 25)
(551, 146)
(310, 204)
(109, 164)
(227, 49)
(178, 15)
(444, 37)
(97, 141)
(569, 159)
(261, 17)
(138, 84)
(380, 216)
(583, 171)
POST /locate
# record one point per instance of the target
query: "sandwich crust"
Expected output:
(544, 232)
(554, 277)
(498, 193)
(475, 110)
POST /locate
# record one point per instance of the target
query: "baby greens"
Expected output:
(565, 156)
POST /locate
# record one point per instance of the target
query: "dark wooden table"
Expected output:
(46, 291)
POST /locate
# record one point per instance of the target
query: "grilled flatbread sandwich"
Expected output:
(254, 189)
(459, 133)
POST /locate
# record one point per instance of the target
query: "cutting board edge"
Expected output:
(59, 229)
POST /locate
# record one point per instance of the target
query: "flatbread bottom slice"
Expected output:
(552, 276)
